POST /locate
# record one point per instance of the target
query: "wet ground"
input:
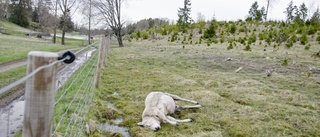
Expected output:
(11, 116)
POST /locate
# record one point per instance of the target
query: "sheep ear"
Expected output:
(140, 124)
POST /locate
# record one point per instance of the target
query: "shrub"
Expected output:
(289, 44)
(261, 36)
(318, 39)
(211, 31)
(253, 38)
(233, 28)
(311, 31)
(247, 48)
(190, 36)
(285, 62)
(222, 39)
(241, 40)
(230, 46)
(307, 47)
(293, 38)
(164, 32)
(304, 39)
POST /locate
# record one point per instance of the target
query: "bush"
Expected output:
(144, 35)
(285, 62)
(293, 38)
(164, 32)
(289, 44)
(304, 39)
(211, 31)
(230, 46)
(318, 39)
(241, 40)
(247, 48)
(233, 28)
(307, 47)
(253, 38)
(222, 39)
(311, 31)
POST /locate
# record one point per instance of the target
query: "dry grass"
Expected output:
(247, 103)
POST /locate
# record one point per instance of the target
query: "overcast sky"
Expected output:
(223, 10)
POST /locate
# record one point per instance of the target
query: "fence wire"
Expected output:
(73, 99)
(20, 81)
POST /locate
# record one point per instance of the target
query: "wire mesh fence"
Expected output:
(72, 100)
(72, 97)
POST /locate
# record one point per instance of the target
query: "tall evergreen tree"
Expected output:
(19, 13)
(184, 16)
(303, 11)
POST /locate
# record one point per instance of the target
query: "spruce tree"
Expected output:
(184, 16)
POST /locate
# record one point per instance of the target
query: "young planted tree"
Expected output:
(184, 16)
(110, 11)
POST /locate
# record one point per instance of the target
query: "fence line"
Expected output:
(85, 80)
(73, 109)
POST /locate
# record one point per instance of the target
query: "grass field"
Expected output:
(247, 103)
(15, 48)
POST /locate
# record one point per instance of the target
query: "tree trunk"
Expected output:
(62, 38)
(119, 38)
(268, 4)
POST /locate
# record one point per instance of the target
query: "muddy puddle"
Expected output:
(11, 116)
(114, 127)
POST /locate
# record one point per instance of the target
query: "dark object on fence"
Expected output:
(70, 59)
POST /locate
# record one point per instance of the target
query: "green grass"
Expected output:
(15, 48)
(13, 29)
(247, 103)
(12, 75)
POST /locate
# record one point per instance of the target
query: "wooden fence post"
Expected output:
(100, 60)
(39, 95)
(106, 48)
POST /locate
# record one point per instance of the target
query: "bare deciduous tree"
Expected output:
(200, 17)
(269, 4)
(66, 6)
(110, 12)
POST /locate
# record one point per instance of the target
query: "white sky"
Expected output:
(223, 10)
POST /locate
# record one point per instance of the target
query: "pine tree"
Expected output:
(184, 16)
(303, 11)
